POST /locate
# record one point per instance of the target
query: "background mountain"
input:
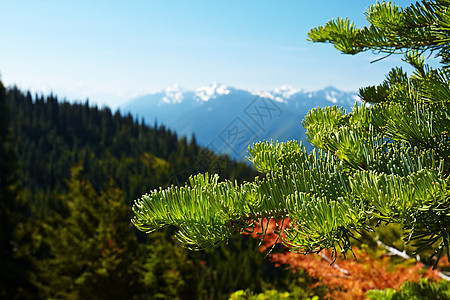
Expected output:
(227, 120)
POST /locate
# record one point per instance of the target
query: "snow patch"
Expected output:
(285, 91)
(206, 93)
(331, 96)
(279, 99)
(173, 94)
(266, 95)
(280, 94)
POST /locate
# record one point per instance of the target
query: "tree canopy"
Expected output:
(386, 161)
(68, 172)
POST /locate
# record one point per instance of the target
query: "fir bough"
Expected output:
(386, 161)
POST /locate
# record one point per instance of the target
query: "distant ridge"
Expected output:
(227, 120)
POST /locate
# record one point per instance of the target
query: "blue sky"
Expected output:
(111, 51)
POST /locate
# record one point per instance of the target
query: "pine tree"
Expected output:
(386, 161)
(13, 270)
(91, 249)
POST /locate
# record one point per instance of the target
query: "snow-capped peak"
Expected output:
(265, 94)
(285, 91)
(280, 94)
(173, 94)
(207, 92)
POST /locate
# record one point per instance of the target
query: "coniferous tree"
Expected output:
(91, 247)
(13, 271)
(53, 136)
(68, 220)
(386, 161)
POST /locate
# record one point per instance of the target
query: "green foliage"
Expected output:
(388, 162)
(169, 271)
(425, 289)
(271, 294)
(238, 266)
(13, 270)
(90, 248)
(421, 26)
(77, 232)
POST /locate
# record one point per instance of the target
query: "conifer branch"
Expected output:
(387, 162)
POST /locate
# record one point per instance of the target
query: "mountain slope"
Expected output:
(53, 136)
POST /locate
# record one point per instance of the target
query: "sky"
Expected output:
(112, 51)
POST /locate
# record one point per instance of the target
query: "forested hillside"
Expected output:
(69, 173)
(51, 137)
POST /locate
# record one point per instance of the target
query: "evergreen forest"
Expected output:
(69, 173)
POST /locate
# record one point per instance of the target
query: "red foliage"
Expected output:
(346, 278)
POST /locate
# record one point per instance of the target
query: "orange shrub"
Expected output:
(346, 278)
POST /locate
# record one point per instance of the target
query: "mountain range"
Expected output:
(227, 120)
